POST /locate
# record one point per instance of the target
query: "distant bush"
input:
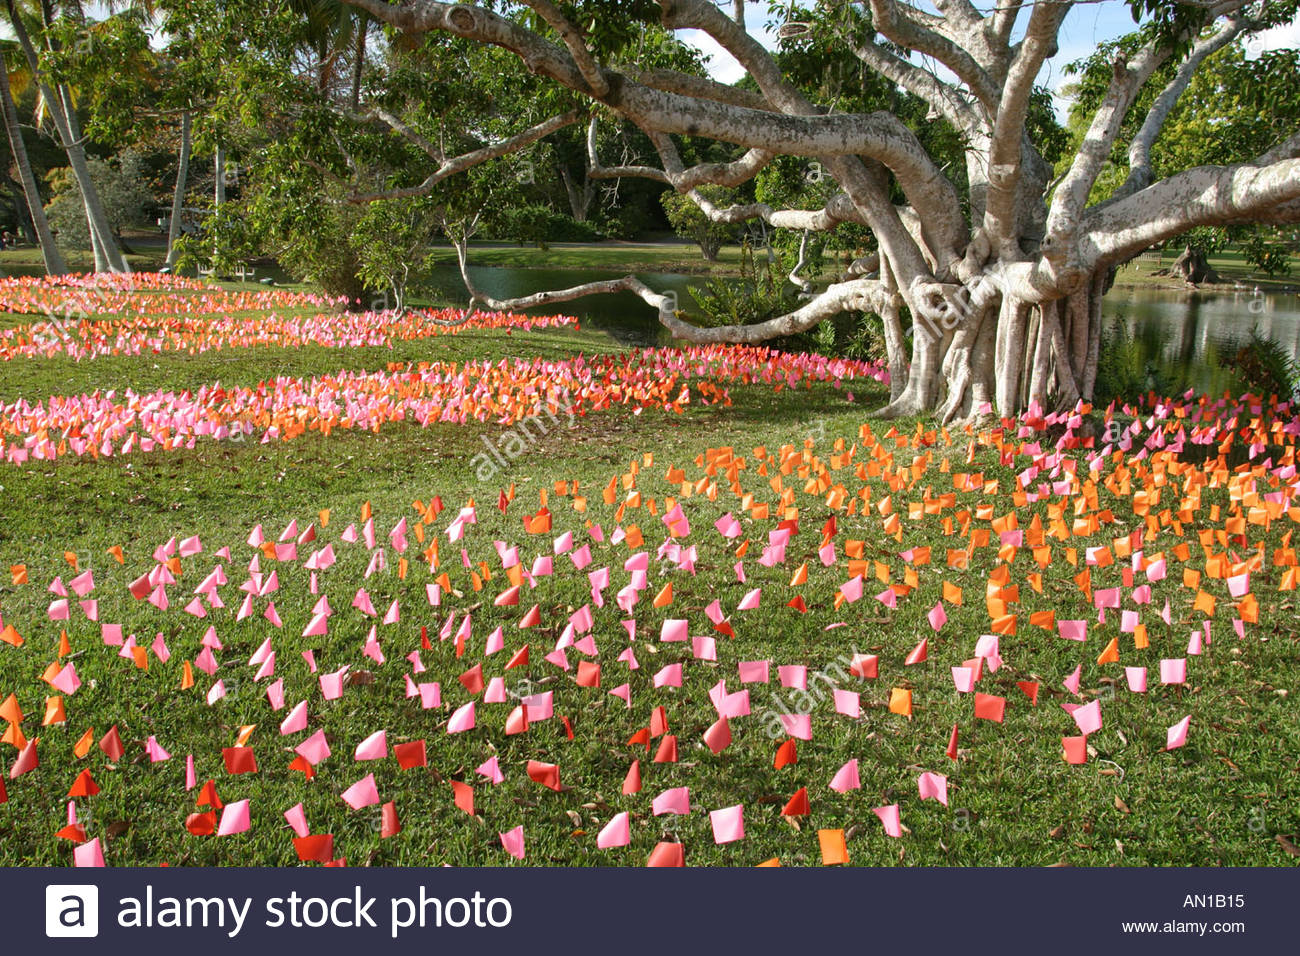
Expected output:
(625, 223)
(541, 225)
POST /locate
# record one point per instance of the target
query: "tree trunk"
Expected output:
(1003, 353)
(1192, 267)
(178, 196)
(107, 256)
(96, 218)
(359, 59)
(219, 175)
(580, 197)
(54, 264)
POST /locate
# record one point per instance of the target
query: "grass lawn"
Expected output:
(1231, 265)
(1225, 798)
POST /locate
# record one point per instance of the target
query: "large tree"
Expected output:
(1000, 265)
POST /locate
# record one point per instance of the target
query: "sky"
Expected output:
(1086, 26)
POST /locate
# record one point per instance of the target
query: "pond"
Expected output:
(1193, 335)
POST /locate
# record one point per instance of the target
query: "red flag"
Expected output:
(547, 774)
(798, 805)
(317, 847)
(632, 782)
(411, 755)
(111, 744)
(389, 825)
(84, 785)
(786, 754)
(667, 854)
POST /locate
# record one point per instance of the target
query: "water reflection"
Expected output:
(1196, 337)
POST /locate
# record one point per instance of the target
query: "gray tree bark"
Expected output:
(178, 194)
(54, 264)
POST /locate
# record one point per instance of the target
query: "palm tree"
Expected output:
(54, 264)
(336, 27)
(58, 101)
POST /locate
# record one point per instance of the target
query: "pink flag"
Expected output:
(938, 617)
(846, 778)
(297, 818)
(848, 702)
(462, 719)
(889, 817)
(234, 818)
(296, 720)
(1088, 717)
(797, 725)
(1177, 734)
(754, 672)
(1072, 682)
(513, 841)
(1073, 630)
(670, 676)
(88, 854)
(374, 747)
(1173, 670)
(314, 749)
(728, 824)
(673, 630)
(933, 786)
(155, 751)
(793, 675)
(617, 832)
(361, 794)
(490, 769)
(676, 800)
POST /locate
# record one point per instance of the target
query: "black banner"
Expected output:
(195, 911)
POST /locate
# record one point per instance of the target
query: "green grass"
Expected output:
(1231, 265)
(1222, 800)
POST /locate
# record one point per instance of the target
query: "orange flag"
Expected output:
(835, 851)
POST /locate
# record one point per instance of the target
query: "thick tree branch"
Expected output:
(910, 28)
(409, 133)
(573, 40)
(946, 99)
(1203, 196)
(866, 295)
(697, 87)
(683, 180)
(1139, 151)
(1127, 81)
(1006, 146)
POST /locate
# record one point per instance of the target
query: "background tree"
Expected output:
(690, 221)
(122, 192)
